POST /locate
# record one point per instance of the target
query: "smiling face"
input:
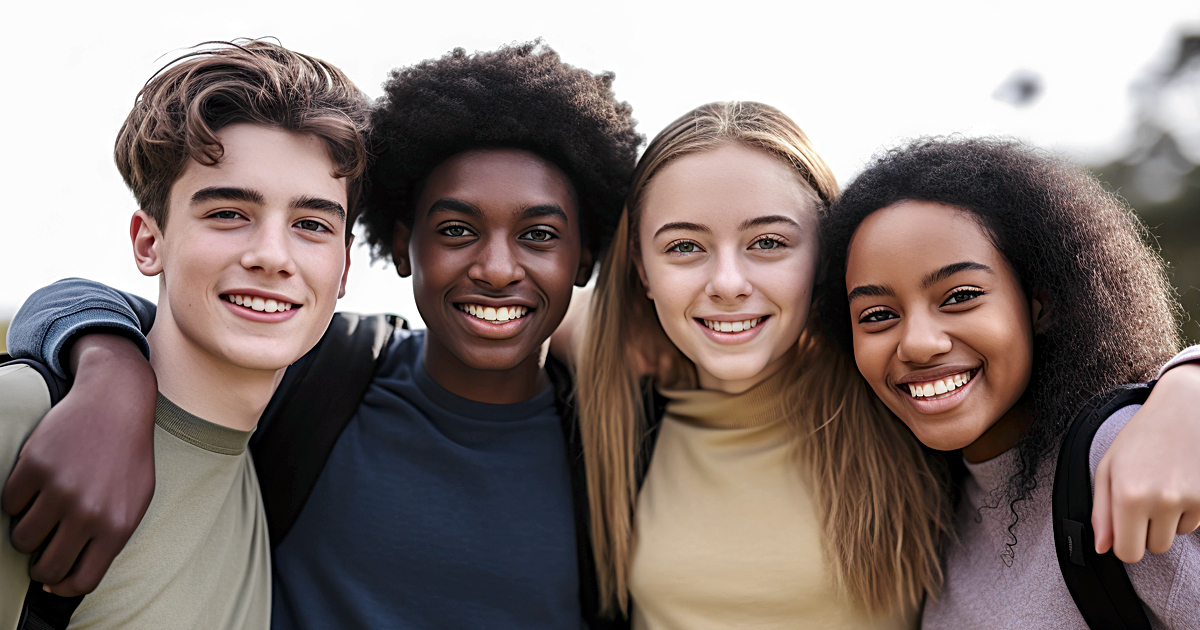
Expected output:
(254, 253)
(943, 331)
(494, 250)
(728, 253)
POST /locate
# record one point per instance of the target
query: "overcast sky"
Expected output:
(855, 76)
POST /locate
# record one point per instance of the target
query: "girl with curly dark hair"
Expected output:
(988, 291)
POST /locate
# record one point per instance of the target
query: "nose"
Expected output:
(729, 281)
(270, 249)
(497, 264)
(922, 339)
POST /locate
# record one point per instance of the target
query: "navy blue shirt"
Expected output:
(434, 511)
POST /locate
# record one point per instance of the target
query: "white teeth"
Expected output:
(939, 386)
(494, 314)
(262, 305)
(745, 324)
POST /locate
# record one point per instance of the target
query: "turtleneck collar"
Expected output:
(757, 406)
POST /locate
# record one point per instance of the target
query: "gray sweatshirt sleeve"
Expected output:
(56, 313)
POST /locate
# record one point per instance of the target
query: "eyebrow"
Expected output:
(767, 220)
(226, 193)
(545, 210)
(450, 204)
(951, 269)
(877, 290)
(683, 225)
(320, 204)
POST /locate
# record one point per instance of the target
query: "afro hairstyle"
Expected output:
(521, 96)
(1113, 318)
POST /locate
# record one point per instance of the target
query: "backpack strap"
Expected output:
(42, 610)
(1098, 583)
(317, 398)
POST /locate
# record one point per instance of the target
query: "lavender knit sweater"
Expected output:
(982, 589)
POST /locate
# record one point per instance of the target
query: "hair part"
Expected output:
(522, 97)
(1111, 312)
(883, 544)
(179, 112)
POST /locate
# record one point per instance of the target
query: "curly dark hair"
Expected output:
(1112, 314)
(521, 96)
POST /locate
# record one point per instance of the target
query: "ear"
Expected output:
(146, 238)
(346, 270)
(586, 266)
(1039, 311)
(636, 255)
(400, 236)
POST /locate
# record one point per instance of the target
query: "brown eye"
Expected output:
(683, 247)
(962, 295)
(538, 236)
(454, 231)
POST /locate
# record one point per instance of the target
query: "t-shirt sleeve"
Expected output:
(56, 313)
(1168, 584)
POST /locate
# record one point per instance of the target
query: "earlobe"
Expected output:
(641, 270)
(1039, 312)
(586, 265)
(346, 269)
(400, 236)
(146, 238)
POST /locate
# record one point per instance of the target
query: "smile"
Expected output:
(495, 315)
(260, 304)
(938, 387)
(731, 327)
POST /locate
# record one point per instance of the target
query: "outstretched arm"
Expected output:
(1148, 483)
(86, 474)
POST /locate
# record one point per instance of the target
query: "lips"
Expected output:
(932, 388)
(259, 303)
(493, 314)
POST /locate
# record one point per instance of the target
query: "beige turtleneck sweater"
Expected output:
(726, 531)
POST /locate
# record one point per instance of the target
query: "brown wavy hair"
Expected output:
(882, 505)
(177, 114)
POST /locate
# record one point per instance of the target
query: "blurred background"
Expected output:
(1116, 89)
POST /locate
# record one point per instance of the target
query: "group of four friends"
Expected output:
(782, 405)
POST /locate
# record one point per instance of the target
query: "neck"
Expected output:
(1002, 435)
(498, 387)
(205, 385)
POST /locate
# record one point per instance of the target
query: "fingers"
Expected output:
(1161, 533)
(59, 555)
(1102, 510)
(21, 487)
(93, 562)
(35, 526)
(1130, 522)
(1188, 522)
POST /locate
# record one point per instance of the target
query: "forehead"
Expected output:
(280, 165)
(917, 236)
(725, 186)
(500, 181)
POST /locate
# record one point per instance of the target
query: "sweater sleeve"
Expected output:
(1168, 584)
(1188, 354)
(55, 314)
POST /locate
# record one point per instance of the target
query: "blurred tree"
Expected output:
(1160, 172)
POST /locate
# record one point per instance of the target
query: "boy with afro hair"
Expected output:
(454, 495)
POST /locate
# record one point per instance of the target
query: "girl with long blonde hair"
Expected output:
(773, 492)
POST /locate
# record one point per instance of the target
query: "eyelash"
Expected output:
(865, 318)
(320, 227)
(779, 241)
(673, 247)
(974, 292)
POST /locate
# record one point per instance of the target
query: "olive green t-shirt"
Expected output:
(199, 559)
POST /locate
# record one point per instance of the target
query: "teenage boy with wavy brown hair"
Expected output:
(246, 161)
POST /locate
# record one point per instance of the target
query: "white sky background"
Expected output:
(855, 76)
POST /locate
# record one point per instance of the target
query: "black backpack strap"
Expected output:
(317, 398)
(42, 610)
(1098, 583)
